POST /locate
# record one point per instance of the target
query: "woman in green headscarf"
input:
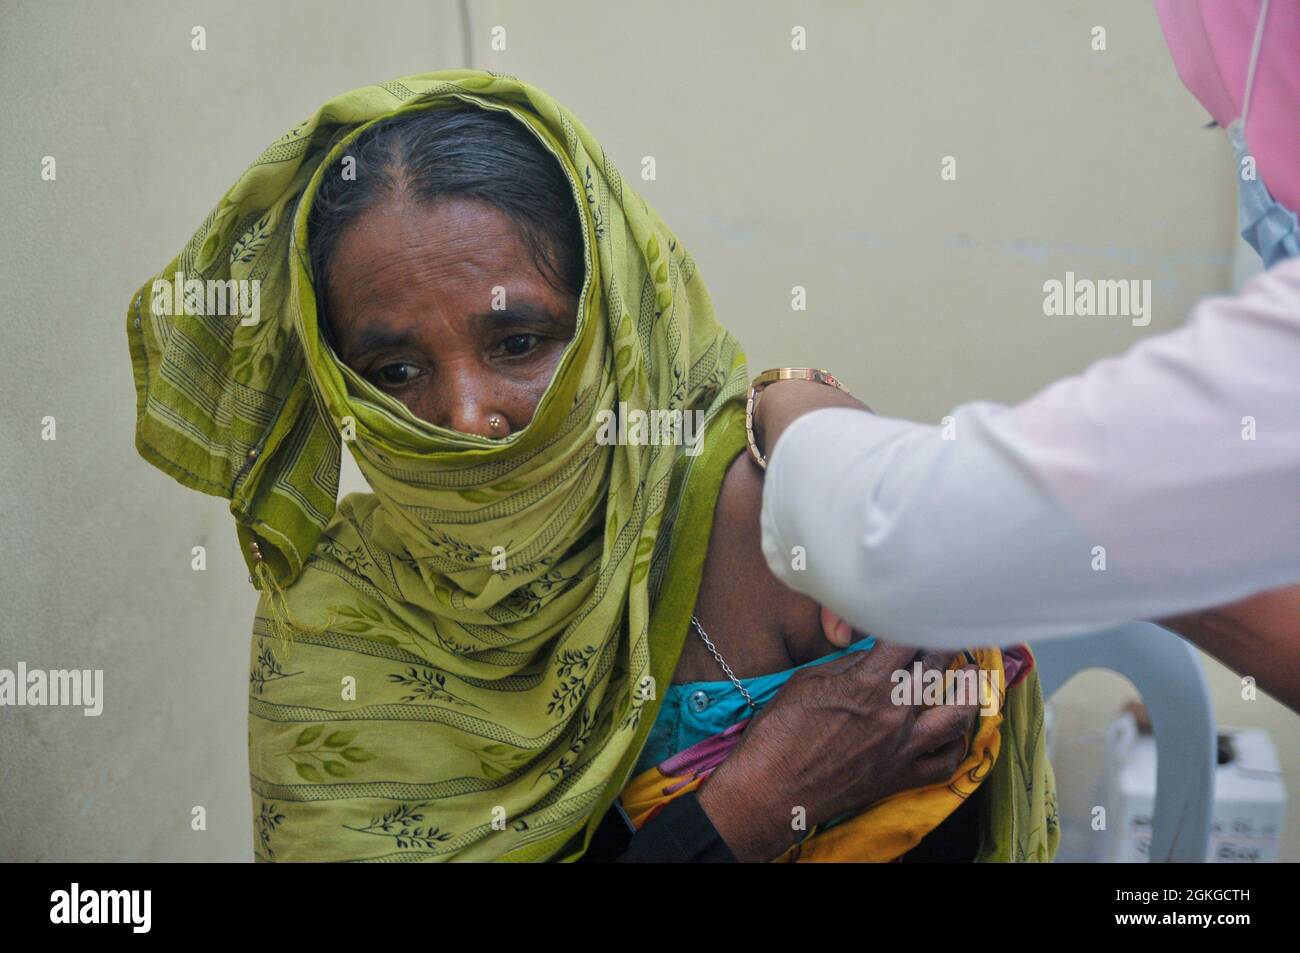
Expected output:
(466, 663)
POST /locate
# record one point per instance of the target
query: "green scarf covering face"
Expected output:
(474, 670)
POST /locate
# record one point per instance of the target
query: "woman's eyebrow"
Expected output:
(521, 314)
(373, 337)
(377, 338)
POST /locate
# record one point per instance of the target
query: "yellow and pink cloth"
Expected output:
(884, 831)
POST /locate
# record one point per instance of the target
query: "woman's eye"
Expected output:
(394, 375)
(518, 344)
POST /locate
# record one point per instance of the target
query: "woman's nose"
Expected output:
(470, 409)
(484, 424)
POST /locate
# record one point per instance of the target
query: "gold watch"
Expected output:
(770, 377)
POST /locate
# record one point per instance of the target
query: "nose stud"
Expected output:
(494, 424)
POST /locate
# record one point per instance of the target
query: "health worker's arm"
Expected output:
(1152, 485)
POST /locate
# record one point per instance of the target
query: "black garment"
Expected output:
(680, 833)
(955, 841)
(683, 833)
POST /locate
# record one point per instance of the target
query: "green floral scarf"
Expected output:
(472, 669)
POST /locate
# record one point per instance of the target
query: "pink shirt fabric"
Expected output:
(1210, 41)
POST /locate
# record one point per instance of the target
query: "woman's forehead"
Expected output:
(466, 253)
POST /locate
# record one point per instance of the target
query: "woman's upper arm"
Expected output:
(759, 624)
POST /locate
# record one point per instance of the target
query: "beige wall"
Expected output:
(775, 168)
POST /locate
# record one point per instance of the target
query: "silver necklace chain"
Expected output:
(713, 650)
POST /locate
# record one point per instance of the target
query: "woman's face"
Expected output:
(411, 302)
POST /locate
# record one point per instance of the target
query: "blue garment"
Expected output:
(693, 711)
(1268, 225)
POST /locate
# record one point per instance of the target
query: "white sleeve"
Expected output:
(1176, 467)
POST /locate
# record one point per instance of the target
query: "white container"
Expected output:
(1249, 796)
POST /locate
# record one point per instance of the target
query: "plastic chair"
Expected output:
(1168, 674)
